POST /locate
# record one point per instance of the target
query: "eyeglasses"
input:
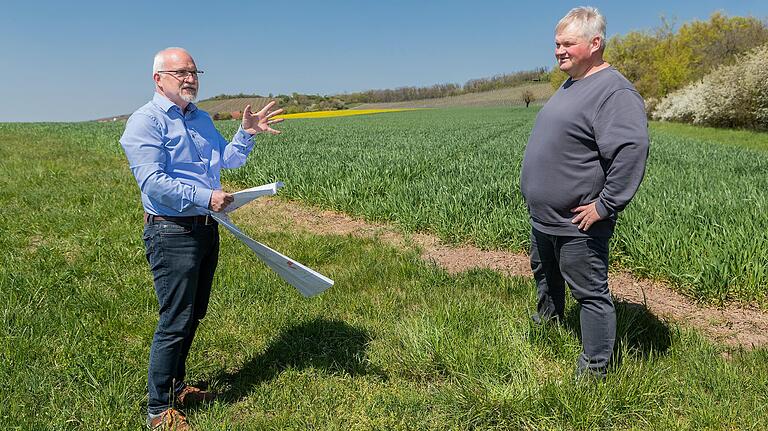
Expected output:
(182, 74)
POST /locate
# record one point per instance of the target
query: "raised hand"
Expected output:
(261, 121)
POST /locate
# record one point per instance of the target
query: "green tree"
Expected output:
(664, 60)
(528, 97)
(557, 77)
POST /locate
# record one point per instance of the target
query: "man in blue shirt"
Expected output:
(176, 155)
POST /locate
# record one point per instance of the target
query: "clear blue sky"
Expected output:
(82, 60)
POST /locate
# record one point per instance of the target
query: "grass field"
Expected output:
(395, 344)
(740, 138)
(699, 219)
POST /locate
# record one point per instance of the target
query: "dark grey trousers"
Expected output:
(582, 262)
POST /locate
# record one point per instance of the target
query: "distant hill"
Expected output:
(502, 97)
(123, 117)
(231, 105)
(407, 96)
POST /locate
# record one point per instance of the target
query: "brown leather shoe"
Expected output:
(192, 395)
(170, 420)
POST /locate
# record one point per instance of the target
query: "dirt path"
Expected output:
(733, 326)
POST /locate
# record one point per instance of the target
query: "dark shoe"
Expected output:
(170, 420)
(538, 320)
(192, 395)
(590, 375)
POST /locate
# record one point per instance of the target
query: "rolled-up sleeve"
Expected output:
(142, 142)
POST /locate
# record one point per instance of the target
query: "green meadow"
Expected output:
(397, 343)
(699, 220)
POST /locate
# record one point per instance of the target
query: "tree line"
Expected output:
(314, 102)
(404, 94)
(665, 60)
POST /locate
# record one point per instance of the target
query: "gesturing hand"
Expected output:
(219, 200)
(261, 121)
(586, 217)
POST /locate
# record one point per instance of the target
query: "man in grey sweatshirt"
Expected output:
(583, 163)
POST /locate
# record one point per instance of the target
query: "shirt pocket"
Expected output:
(201, 144)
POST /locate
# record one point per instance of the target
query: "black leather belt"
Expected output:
(198, 219)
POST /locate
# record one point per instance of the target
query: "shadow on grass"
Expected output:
(637, 329)
(331, 345)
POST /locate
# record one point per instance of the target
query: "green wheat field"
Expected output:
(397, 343)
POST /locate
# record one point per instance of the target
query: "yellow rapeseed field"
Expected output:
(339, 113)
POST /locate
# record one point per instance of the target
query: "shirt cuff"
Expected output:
(243, 136)
(202, 197)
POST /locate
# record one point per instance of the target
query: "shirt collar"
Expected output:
(166, 105)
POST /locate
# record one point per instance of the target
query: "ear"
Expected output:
(594, 44)
(156, 78)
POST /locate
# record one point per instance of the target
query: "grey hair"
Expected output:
(586, 20)
(159, 61)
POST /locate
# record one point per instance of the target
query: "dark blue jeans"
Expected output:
(183, 258)
(582, 262)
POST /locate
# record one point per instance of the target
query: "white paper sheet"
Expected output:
(244, 196)
(308, 281)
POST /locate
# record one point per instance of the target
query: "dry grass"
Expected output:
(503, 97)
(234, 104)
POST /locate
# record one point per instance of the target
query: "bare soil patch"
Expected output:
(733, 325)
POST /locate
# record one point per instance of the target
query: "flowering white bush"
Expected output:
(682, 105)
(761, 99)
(730, 96)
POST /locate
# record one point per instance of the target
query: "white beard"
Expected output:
(188, 95)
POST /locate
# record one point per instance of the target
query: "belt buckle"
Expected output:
(208, 220)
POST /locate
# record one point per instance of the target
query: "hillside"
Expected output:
(504, 97)
(231, 105)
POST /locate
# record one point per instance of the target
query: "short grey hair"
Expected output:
(586, 20)
(159, 61)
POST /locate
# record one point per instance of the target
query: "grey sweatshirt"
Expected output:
(589, 143)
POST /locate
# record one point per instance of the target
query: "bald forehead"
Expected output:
(175, 55)
(172, 58)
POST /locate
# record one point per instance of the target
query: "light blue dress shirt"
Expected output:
(177, 157)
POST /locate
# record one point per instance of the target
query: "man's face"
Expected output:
(573, 52)
(176, 82)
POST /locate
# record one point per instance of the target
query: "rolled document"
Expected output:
(244, 196)
(308, 281)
